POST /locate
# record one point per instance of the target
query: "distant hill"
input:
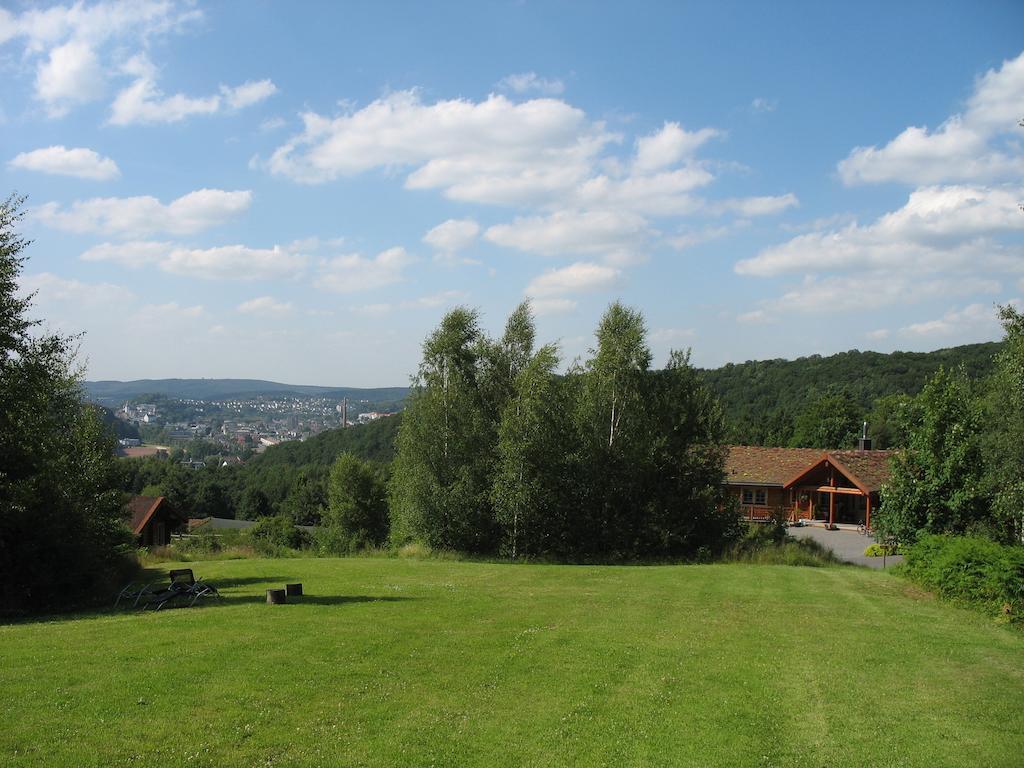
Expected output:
(761, 398)
(116, 392)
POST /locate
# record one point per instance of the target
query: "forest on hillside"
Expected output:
(763, 401)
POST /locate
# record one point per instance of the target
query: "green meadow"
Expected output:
(426, 662)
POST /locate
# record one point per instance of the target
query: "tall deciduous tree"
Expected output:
(937, 482)
(833, 420)
(440, 486)
(357, 510)
(1004, 443)
(63, 538)
(534, 475)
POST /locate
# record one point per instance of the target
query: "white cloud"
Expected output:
(53, 288)
(977, 145)
(527, 82)
(863, 293)
(247, 94)
(264, 305)
(134, 253)
(434, 300)
(574, 232)
(58, 160)
(133, 216)
(550, 306)
(70, 76)
(692, 238)
(235, 262)
(672, 335)
(163, 315)
(272, 124)
(576, 278)
(453, 235)
(143, 102)
(879, 334)
(659, 194)
(768, 205)
(68, 43)
(938, 228)
(493, 151)
(352, 273)
(669, 146)
(969, 319)
(761, 104)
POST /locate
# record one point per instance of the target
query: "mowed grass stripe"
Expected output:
(393, 662)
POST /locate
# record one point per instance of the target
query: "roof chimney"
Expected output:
(864, 444)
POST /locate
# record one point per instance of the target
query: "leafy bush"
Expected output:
(769, 544)
(880, 550)
(271, 535)
(970, 570)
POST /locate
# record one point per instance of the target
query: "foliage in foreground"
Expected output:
(497, 453)
(963, 469)
(63, 541)
(971, 570)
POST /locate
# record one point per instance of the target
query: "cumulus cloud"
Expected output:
(574, 232)
(862, 293)
(352, 273)
(581, 277)
(553, 306)
(766, 205)
(669, 146)
(976, 145)
(71, 75)
(434, 300)
(453, 235)
(493, 151)
(531, 82)
(133, 254)
(247, 94)
(938, 228)
(162, 315)
(143, 102)
(51, 288)
(234, 262)
(134, 216)
(68, 43)
(58, 160)
(264, 305)
(969, 319)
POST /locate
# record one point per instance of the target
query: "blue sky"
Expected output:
(298, 191)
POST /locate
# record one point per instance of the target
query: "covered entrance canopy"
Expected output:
(842, 486)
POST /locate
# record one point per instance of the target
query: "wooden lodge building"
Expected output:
(151, 520)
(807, 483)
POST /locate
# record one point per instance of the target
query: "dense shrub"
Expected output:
(970, 570)
(271, 535)
(769, 544)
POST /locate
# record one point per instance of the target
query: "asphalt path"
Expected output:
(847, 545)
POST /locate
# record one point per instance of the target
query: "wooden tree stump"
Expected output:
(276, 597)
(293, 590)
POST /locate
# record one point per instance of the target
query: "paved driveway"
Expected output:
(847, 545)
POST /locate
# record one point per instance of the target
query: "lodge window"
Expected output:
(756, 496)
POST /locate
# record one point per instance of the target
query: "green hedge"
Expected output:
(970, 570)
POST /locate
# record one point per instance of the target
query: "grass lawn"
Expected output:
(400, 662)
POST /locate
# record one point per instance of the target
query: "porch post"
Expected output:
(867, 516)
(831, 496)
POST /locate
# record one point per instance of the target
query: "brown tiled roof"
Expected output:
(142, 509)
(758, 465)
(870, 468)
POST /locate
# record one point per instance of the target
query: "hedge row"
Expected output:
(970, 570)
